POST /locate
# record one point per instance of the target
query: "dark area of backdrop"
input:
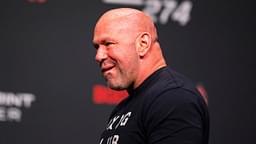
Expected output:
(51, 90)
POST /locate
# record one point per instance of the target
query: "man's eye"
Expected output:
(96, 46)
(108, 43)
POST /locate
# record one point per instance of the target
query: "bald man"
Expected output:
(163, 107)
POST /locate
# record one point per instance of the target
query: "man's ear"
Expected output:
(143, 43)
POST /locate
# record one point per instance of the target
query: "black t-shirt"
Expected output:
(165, 109)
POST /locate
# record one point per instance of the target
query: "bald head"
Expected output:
(132, 19)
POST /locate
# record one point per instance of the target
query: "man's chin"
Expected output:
(116, 86)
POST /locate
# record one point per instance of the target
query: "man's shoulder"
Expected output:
(172, 87)
(167, 79)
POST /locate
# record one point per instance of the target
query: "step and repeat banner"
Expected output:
(51, 89)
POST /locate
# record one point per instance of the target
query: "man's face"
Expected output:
(116, 54)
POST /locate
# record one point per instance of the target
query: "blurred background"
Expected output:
(51, 89)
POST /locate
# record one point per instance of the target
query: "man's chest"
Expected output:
(124, 127)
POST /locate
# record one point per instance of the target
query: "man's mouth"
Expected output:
(107, 67)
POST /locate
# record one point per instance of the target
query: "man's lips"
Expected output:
(107, 65)
(106, 68)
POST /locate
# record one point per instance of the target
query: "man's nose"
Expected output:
(101, 54)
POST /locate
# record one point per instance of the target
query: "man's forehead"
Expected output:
(115, 26)
(116, 22)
